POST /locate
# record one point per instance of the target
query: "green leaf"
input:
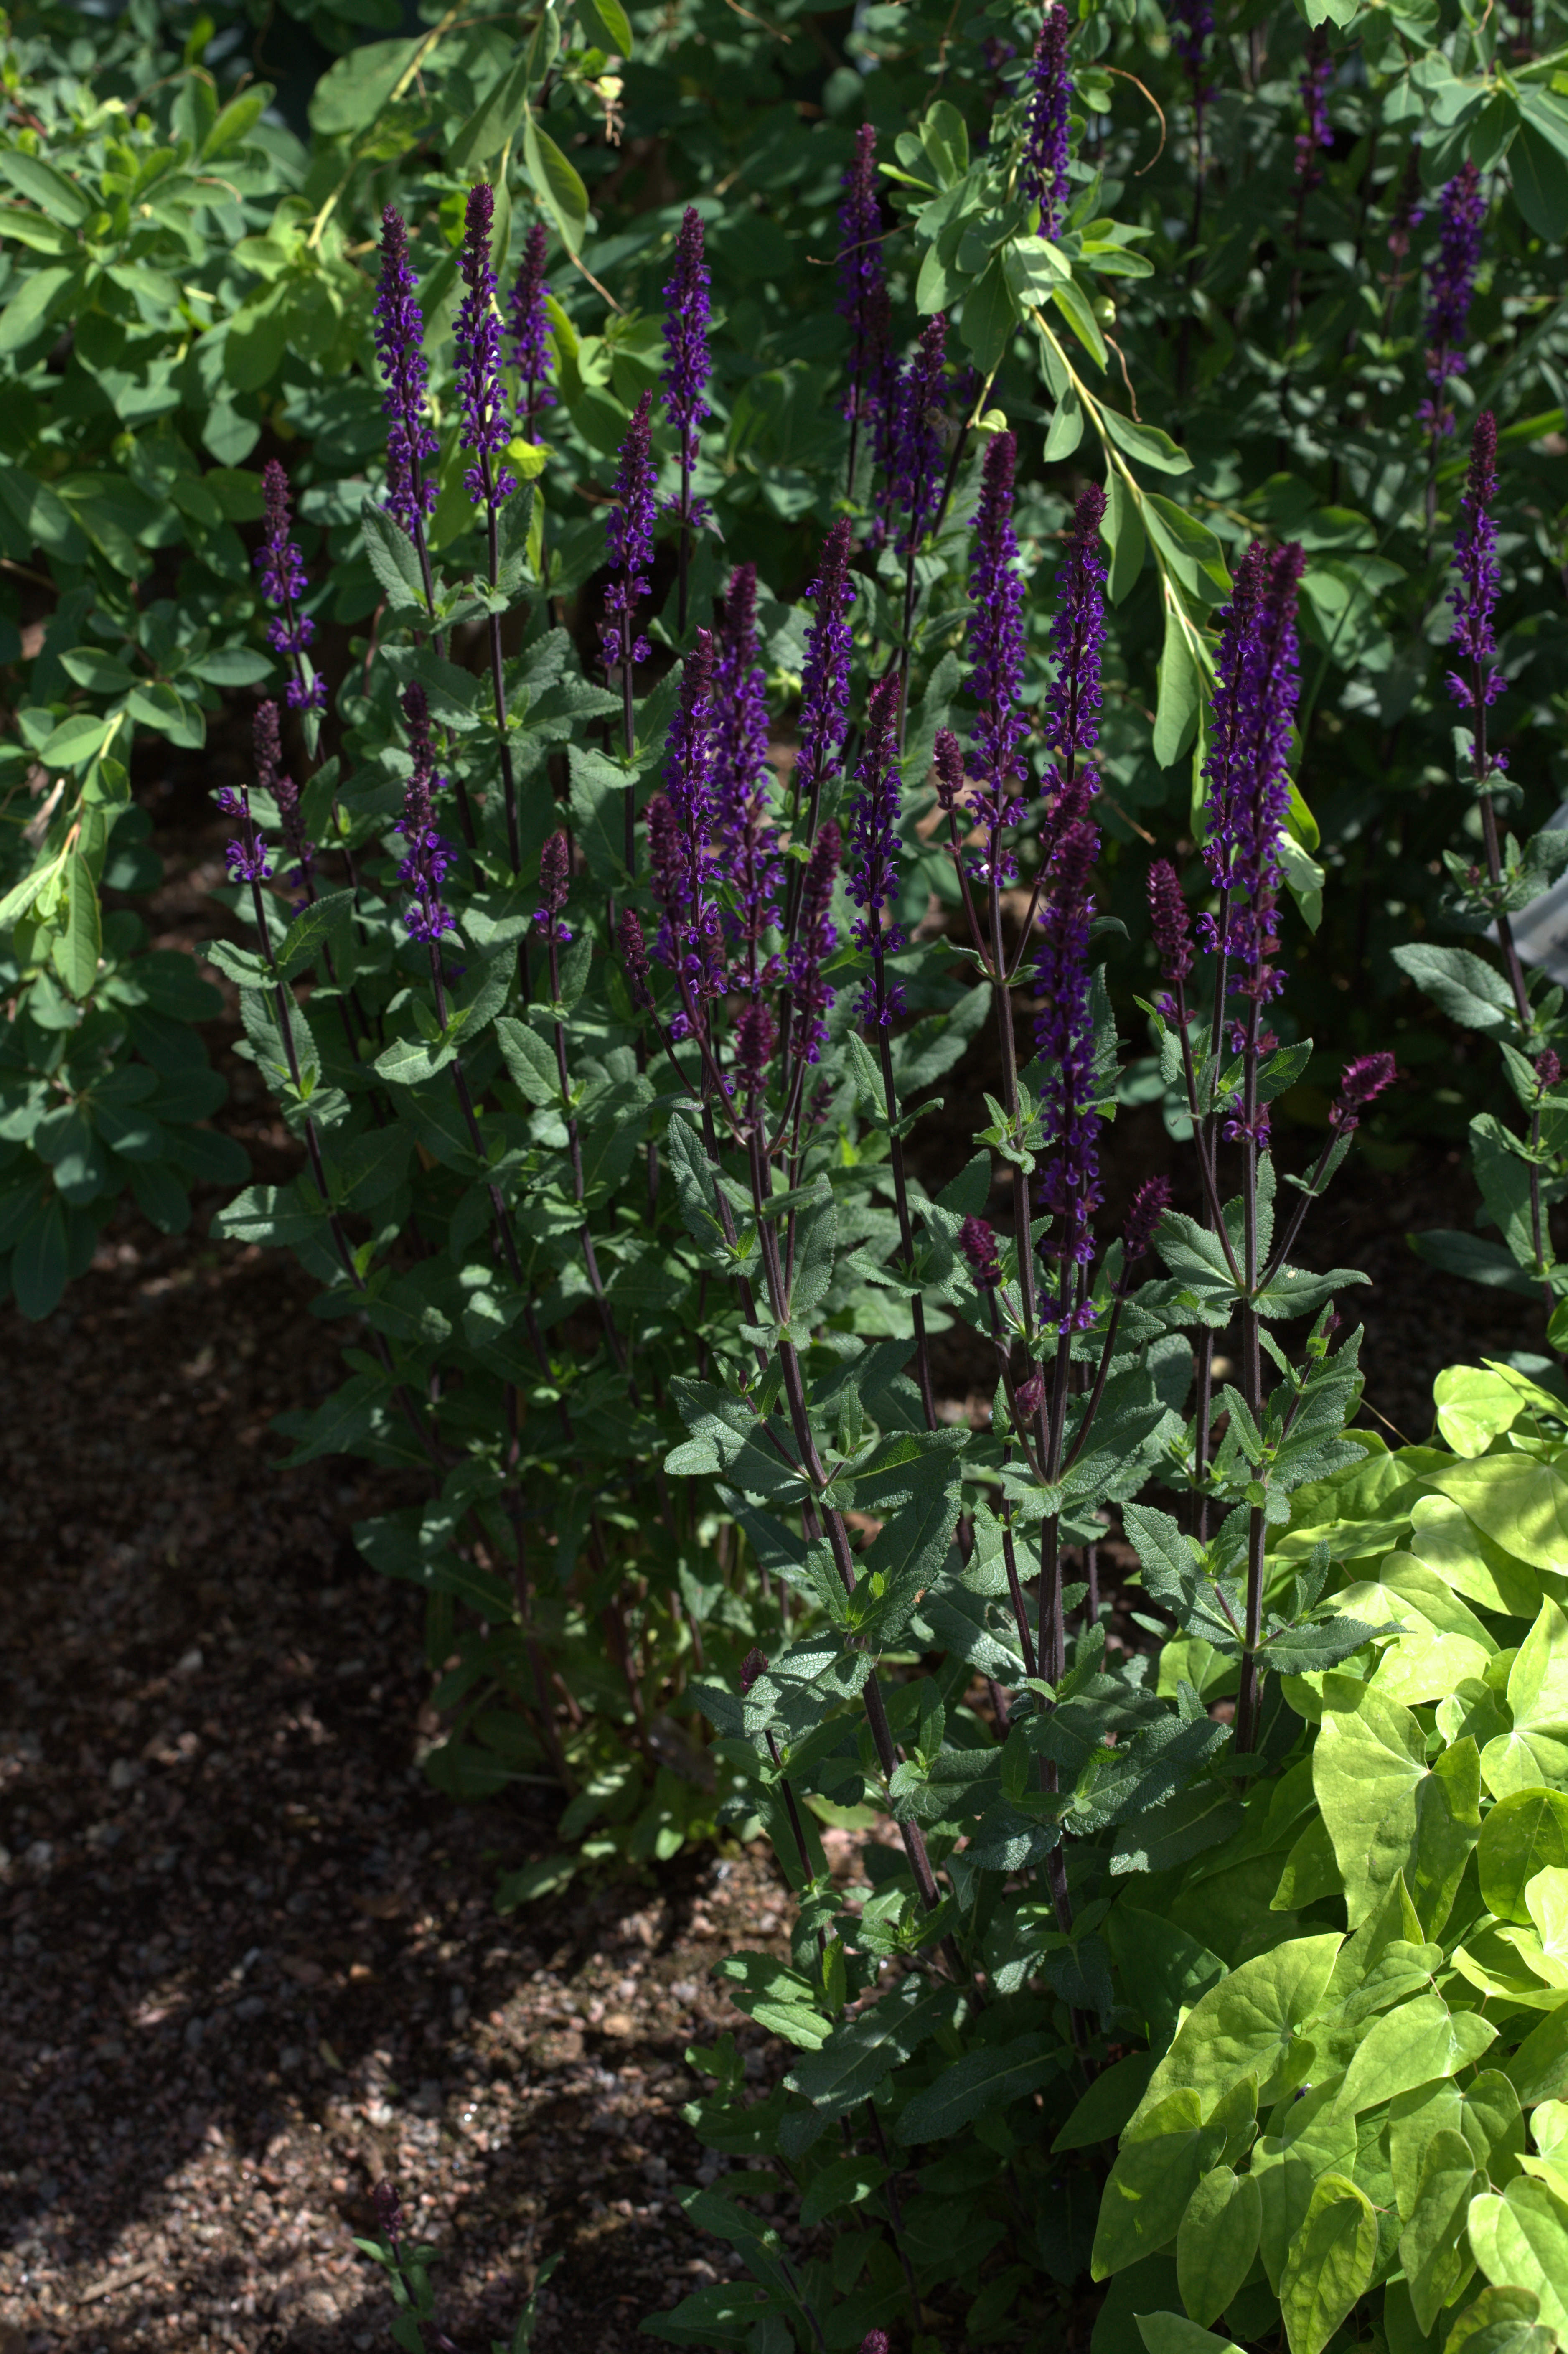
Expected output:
(1536, 1751)
(1431, 2247)
(38, 1262)
(1415, 2043)
(1500, 2321)
(1173, 2333)
(530, 1060)
(1330, 2264)
(352, 93)
(1386, 1813)
(1247, 2025)
(1121, 528)
(310, 927)
(607, 24)
(1164, 2154)
(42, 293)
(1538, 168)
(556, 185)
(393, 558)
(1539, 2069)
(989, 315)
(1073, 304)
(76, 949)
(1217, 2241)
(1107, 2104)
(1520, 2241)
(981, 2083)
(1524, 1833)
(1180, 690)
(1146, 443)
(1468, 990)
(492, 124)
(858, 2055)
(46, 186)
(844, 2184)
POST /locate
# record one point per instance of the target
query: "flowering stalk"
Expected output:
(1451, 290)
(1043, 178)
(862, 290)
(283, 583)
(1192, 27)
(917, 470)
(529, 333)
(629, 547)
(1317, 74)
(687, 368)
(1476, 682)
(745, 836)
(873, 885)
(411, 439)
(486, 430)
(824, 692)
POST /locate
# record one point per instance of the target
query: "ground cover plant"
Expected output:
(725, 659)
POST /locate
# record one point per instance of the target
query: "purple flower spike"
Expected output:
(947, 759)
(634, 957)
(1044, 179)
(270, 776)
(430, 855)
(1317, 77)
(745, 836)
(283, 583)
(486, 422)
(247, 860)
(629, 539)
(1169, 922)
(978, 1246)
(1475, 562)
(1452, 289)
(874, 850)
(874, 2342)
(555, 882)
(1077, 639)
(1191, 23)
(680, 832)
(687, 365)
(1148, 1206)
(1248, 774)
(1064, 1037)
(756, 1036)
(861, 282)
(533, 355)
(1548, 1070)
(996, 665)
(816, 937)
(401, 341)
(917, 461)
(825, 676)
(1365, 1078)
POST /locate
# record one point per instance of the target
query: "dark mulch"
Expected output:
(250, 1962)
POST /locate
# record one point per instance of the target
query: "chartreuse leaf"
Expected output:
(1415, 2043)
(1536, 1751)
(1217, 2241)
(1448, 1541)
(1161, 2161)
(1387, 1812)
(1245, 2026)
(1524, 1833)
(1431, 2246)
(1500, 2321)
(1474, 1407)
(1518, 1502)
(1539, 2069)
(1107, 2104)
(1310, 2136)
(1330, 2264)
(1520, 2241)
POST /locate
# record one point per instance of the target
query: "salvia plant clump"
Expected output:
(735, 745)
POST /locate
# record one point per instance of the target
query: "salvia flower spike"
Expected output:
(555, 883)
(247, 851)
(687, 368)
(1047, 126)
(532, 352)
(1479, 685)
(816, 937)
(1451, 290)
(680, 840)
(917, 464)
(873, 852)
(980, 1247)
(283, 583)
(1317, 79)
(1170, 928)
(745, 837)
(1063, 1036)
(1148, 1206)
(1361, 1081)
(411, 439)
(272, 778)
(825, 674)
(996, 653)
(429, 855)
(862, 289)
(486, 421)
